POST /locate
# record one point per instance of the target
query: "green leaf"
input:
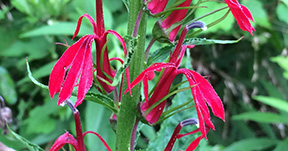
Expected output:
(281, 146)
(282, 11)
(32, 78)
(101, 99)
(274, 102)
(162, 53)
(7, 87)
(258, 12)
(28, 144)
(22, 6)
(39, 73)
(283, 62)
(60, 28)
(204, 41)
(97, 120)
(39, 120)
(271, 89)
(252, 144)
(34, 48)
(264, 117)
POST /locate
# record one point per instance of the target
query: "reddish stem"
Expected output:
(99, 18)
(80, 138)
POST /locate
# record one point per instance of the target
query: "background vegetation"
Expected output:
(250, 76)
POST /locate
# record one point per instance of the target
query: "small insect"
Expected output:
(5, 116)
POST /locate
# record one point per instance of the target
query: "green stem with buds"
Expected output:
(127, 114)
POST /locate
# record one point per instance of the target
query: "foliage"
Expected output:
(251, 76)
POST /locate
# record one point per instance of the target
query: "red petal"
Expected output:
(247, 12)
(146, 88)
(86, 76)
(209, 95)
(66, 138)
(176, 15)
(153, 67)
(74, 71)
(194, 144)
(79, 24)
(119, 38)
(156, 6)
(101, 139)
(58, 72)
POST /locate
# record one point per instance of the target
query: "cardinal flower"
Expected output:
(78, 58)
(203, 92)
(242, 15)
(176, 135)
(67, 138)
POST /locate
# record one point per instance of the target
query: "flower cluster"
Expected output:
(78, 59)
(203, 93)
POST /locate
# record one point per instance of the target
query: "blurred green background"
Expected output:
(250, 76)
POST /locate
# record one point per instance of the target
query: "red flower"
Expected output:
(176, 135)
(174, 17)
(202, 91)
(78, 58)
(156, 6)
(242, 15)
(67, 138)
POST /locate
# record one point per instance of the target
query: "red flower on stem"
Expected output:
(203, 92)
(78, 58)
(242, 15)
(176, 135)
(67, 138)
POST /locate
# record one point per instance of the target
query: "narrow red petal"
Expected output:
(79, 24)
(176, 15)
(153, 67)
(210, 95)
(194, 144)
(66, 138)
(101, 139)
(146, 88)
(156, 6)
(58, 71)
(247, 12)
(86, 78)
(74, 72)
(119, 38)
(118, 59)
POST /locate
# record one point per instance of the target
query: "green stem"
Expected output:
(127, 113)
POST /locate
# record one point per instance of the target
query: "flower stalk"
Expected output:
(126, 116)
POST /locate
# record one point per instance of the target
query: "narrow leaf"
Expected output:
(274, 102)
(252, 144)
(29, 145)
(162, 53)
(32, 78)
(264, 117)
(101, 99)
(61, 28)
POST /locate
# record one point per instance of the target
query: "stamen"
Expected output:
(71, 105)
(190, 121)
(197, 24)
